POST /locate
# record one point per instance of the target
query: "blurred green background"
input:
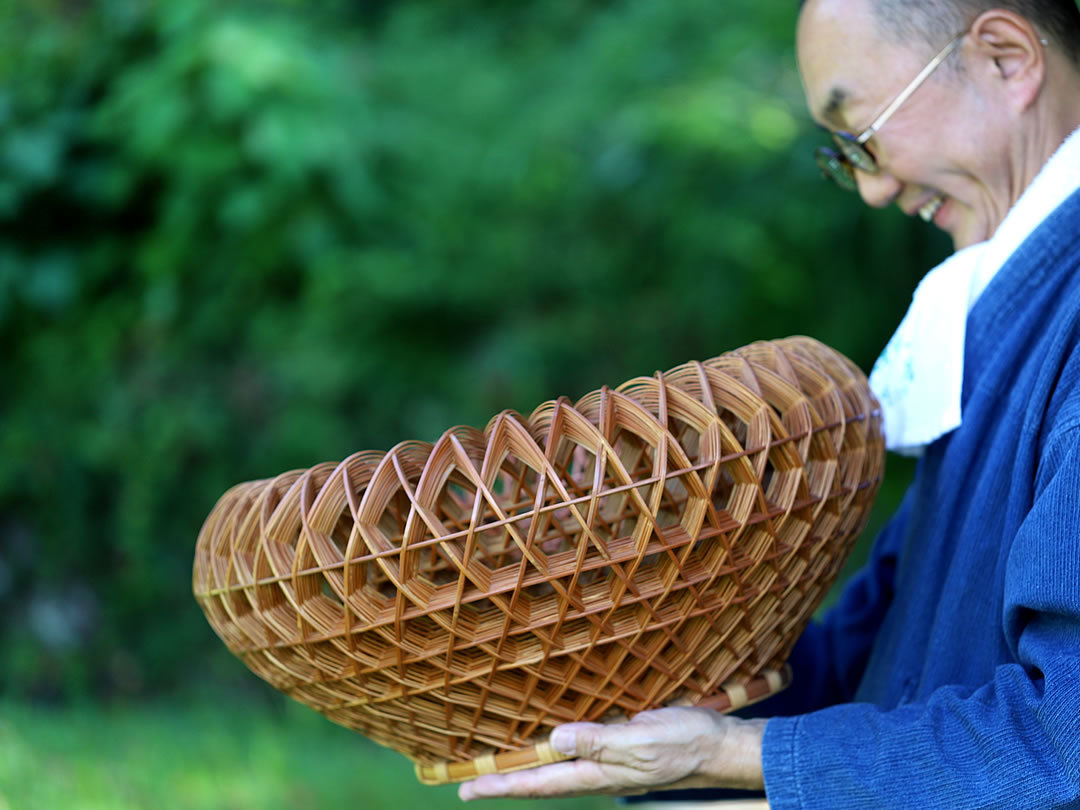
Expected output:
(238, 238)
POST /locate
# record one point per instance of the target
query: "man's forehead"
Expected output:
(837, 45)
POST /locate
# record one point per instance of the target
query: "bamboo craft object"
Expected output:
(663, 542)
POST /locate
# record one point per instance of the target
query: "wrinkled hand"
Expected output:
(657, 750)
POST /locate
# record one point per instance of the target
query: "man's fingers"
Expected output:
(666, 748)
(593, 741)
(625, 743)
(596, 769)
(561, 779)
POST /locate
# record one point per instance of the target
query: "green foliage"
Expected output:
(240, 238)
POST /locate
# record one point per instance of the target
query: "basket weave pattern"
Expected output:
(665, 541)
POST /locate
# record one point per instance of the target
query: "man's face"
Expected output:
(942, 152)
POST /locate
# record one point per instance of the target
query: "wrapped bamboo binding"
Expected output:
(666, 541)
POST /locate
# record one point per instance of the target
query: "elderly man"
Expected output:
(949, 673)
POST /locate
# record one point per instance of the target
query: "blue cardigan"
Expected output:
(948, 675)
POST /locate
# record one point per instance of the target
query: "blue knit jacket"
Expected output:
(948, 675)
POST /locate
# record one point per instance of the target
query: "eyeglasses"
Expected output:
(851, 153)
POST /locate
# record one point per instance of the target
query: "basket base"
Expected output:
(730, 697)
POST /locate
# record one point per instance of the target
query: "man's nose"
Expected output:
(877, 190)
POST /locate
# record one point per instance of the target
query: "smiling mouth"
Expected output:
(927, 211)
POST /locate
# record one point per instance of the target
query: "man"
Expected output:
(949, 674)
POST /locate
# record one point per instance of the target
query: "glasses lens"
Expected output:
(855, 153)
(834, 167)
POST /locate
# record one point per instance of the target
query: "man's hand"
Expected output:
(657, 750)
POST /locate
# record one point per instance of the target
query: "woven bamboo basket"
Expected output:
(663, 542)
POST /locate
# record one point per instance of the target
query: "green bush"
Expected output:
(240, 238)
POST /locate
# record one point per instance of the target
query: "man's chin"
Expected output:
(966, 234)
(966, 240)
(961, 224)
(960, 244)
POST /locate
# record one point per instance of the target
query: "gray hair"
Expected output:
(932, 21)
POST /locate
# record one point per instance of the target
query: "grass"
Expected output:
(202, 754)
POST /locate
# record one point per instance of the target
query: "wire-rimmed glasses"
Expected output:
(839, 164)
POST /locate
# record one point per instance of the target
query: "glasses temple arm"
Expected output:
(911, 88)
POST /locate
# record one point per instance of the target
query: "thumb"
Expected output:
(564, 740)
(583, 740)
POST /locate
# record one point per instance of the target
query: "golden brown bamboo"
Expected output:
(662, 542)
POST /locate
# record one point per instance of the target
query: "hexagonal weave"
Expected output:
(665, 541)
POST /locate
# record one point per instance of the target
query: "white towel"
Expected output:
(920, 374)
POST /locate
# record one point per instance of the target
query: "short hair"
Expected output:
(930, 20)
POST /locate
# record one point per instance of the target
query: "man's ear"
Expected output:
(1010, 52)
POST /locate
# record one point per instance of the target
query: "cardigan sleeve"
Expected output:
(1012, 741)
(829, 658)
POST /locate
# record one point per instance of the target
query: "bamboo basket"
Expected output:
(663, 542)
